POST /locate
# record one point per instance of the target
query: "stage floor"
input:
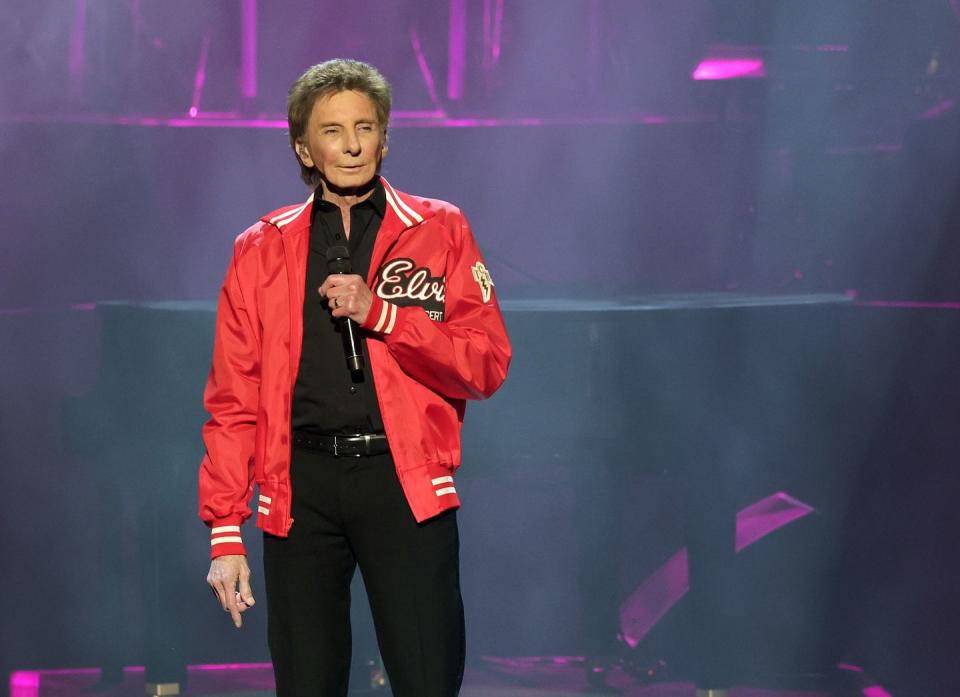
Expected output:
(554, 676)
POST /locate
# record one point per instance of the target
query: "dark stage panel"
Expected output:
(849, 408)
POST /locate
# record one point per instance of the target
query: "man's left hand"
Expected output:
(348, 296)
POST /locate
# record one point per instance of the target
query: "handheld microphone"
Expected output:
(338, 261)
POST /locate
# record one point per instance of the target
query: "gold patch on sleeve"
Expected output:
(483, 279)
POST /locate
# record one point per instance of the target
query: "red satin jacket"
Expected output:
(435, 337)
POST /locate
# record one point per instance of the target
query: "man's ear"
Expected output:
(304, 155)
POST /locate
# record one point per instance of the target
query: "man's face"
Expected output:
(343, 140)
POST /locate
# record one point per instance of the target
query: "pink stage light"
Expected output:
(938, 110)
(25, 683)
(875, 691)
(457, 50)
(849, 667)
(232, 666)
(667, 585)
(486, 35)
(716, 68)
(492, 32)
(425, 71)
(199, 77)
(497, 32)
(248, 53)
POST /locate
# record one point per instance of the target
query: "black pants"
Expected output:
(349, 511)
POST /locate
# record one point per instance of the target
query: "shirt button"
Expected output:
(353, 389)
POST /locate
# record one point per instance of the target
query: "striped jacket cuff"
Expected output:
(382, 317)
(225, 539)
(443, 486)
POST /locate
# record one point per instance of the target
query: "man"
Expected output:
(354, 467)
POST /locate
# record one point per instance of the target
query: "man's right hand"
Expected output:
(226, 574)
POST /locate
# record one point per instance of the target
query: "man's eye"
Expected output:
(365, 128)
(329, 131)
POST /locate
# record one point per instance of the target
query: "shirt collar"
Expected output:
(377, 201)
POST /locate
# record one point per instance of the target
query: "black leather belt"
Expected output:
(356, 445)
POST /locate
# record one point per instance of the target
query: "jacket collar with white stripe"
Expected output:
(403, 212)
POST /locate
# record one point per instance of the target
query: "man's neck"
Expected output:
(345, 198)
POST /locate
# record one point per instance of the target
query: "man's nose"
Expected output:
(352, 143)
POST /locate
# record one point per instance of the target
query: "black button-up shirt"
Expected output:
(327, 398)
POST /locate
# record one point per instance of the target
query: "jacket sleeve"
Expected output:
(231, 397)
(467, 355)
